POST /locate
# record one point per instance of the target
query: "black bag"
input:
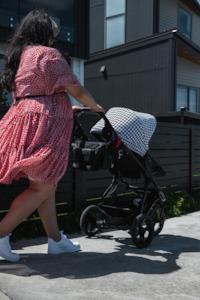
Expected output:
(89, 156)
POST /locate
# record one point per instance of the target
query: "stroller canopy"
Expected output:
(134, 128)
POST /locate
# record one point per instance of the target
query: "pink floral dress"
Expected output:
(35, 133)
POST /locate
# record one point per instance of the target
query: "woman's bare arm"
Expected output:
(84, 97)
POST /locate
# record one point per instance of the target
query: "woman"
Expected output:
(35, 132)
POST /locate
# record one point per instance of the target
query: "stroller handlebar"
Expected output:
(109, 131)
(83, 109)
(101, 114)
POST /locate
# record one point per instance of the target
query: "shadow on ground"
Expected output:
(160, 258)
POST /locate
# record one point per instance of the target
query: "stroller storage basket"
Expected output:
(89, 156)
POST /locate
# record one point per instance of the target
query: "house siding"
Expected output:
(169, 18)
(139, 22)
(187, 73)
(139, 19)
(196, 30)
(168, 15)
(140, 79)
(97, 28)
(140, 76)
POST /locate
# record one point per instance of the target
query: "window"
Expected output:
(185, 23)
(192, 106)
(62, 11)
(186, 97)
(114, 23)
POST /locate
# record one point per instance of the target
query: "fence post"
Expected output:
(79, 188)
(191, 161)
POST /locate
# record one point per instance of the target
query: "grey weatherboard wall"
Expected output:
(140, 17)
(145, 87)
(141, 75)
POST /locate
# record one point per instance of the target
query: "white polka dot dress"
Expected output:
(35, 133)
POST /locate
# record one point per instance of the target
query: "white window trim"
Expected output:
(77, 66)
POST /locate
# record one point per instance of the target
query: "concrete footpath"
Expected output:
(109, 267)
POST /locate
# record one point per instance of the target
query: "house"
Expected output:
(145, 54)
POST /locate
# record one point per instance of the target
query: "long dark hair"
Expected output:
(37, 28)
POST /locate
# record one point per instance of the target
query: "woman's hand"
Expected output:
(77, 110)
(97, 108)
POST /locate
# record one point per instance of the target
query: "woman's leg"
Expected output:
(48, 215)
(57, 241)
(24, 205)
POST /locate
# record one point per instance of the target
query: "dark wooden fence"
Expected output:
(175, 146)
(177, 149)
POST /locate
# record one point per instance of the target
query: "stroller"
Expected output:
(121, 146)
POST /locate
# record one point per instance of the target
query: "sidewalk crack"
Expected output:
(5, 294)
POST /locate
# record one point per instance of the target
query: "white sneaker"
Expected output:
(63, 246)
(5, 250)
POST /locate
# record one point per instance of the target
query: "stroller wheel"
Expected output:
(90, 221)
(158, 217)
(142, 231)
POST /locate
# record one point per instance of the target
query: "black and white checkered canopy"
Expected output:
(134, 128)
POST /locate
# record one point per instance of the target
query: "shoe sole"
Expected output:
(10, 260)
(64, 251)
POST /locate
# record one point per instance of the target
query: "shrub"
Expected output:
(180, 203)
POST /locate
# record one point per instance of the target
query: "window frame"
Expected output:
(114, 17)
(188, 89)
(185, 33)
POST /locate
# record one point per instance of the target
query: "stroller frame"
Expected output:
(143, 215)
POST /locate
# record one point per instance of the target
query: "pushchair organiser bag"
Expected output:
(89, 156)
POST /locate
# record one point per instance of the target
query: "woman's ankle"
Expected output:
(56, 237)
(3, 234)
